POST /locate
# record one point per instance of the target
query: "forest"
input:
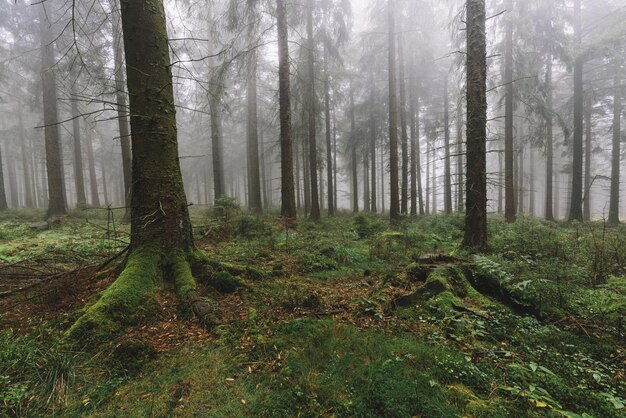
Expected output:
(312, 208)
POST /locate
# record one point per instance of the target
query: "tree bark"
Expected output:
(329, 157)
(616, 151)
(476, 202)
(3, 197)
(404, 197)
(549, 211)
(122, 117)
(354, 163)
(28, 187)
(288, 204)
(447, 169)
(54, 161)
(576, 210)
(312, 99)
(509, 189)
(459, 155)
(394, 207)
(587, 189)
(255, 203)
(81, 199)
(93, 181)
(372, 146)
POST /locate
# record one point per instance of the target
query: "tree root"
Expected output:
(142, 275)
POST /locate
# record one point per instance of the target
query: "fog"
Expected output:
(219, 47)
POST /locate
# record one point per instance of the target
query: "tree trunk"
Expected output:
(427, 173)
(28, 187)
(81, 199)
(354, 163)
(122, 117)
(329, 157)
(219, 181)
(509, 190)
(54, 160)
(476, 201)
(93, 181)
(587, 190)
(549, 212)
(3, 196)
(255, 203)
(616, 151)
(576, 210)
(531, 182)
(335, 161)
(288, 204)
(403, 129)
(394, 208)
(447, 179)
(372, 146)
(15, 197)
(312, 99)
(459, 155)
(366, 182)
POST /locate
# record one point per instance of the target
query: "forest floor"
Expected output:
(347, 317)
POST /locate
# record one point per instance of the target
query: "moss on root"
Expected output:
(141, 275)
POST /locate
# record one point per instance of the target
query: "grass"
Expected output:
(310, 326)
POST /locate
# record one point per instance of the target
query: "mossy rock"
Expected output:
(416, 272)
(224, 282)
(254, 274)
(438, 281)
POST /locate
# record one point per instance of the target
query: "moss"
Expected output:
(437, 281)
(181, 272)
(119, 301)
(224, 282)
(417, 272)
(443, 304)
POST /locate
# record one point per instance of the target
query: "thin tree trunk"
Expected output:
(576, 210)
(459, 155)
(255, 203)
(476, 202)
(447, 169)
(549, 212)
(428, 147)
(54, 161)
(587, 190)
(28, 189)
(93, 181)
(288, 204)
(335, 160)
(531, 183)
(329, 157)
(403, 129)
(3, 197)
(81, 199)
(354, 162)
(509, 207)
(616, 151)
(372, 146)
(394, 208)
(122, 116)
(312, 112)
(15, 197)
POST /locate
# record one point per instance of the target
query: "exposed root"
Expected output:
(141, 277)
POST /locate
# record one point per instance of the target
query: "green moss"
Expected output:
(119, 301)
(181, 272)
(224, 282)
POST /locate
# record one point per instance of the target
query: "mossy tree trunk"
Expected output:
(161, 233)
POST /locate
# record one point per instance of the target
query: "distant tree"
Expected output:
(576, 198)
(509, 187)
(394, 207)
